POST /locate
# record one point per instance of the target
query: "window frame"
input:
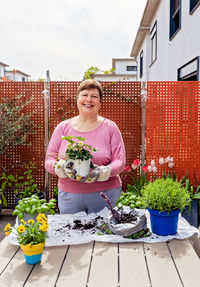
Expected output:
(193, 6)
(134, 70)
(190, 74)
(153, 34)
(173, 30)
(141, 63)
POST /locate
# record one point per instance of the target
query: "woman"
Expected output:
(108, 161)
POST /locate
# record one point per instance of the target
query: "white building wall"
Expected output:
(115, 78)
(2, 71)
(121, 67)
(171, 55)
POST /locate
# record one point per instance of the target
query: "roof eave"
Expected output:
(148, 14)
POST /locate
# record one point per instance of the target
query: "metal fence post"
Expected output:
(143, 106)
(46, 131)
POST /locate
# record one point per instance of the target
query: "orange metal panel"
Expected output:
(173, 127)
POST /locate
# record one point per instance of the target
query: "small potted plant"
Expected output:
(165, 198)
(80, 154)
(30, 207)
(31, 236)
(4, 181)
(24, 185)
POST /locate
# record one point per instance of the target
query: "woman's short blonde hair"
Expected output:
(90, 84)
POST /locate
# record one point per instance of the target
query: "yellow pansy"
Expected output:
(8, 226)
(39, 218)
(43, 216)
(7, 233)
(43, 228)
(21, 229)
(30, 221)
(22, 221)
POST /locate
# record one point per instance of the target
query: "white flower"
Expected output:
(169, 159)
(134, 166)
(153, 163)
(170, 164)
(161, 160)
(150, 169)
(154, 169)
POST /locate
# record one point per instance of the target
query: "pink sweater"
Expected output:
(111, 152)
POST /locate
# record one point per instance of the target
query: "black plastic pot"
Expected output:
(41, 195)
(192, 216)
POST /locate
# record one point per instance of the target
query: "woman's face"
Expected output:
(88, 101)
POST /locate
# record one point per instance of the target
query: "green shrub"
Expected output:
(165, 195)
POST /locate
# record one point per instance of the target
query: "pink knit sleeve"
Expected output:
(118, 151)
(53, 149)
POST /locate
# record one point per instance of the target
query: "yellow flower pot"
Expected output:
(33, 254)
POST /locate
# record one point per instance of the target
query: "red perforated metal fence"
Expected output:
(173, 126)
(172, 122)
(34, 150)
(121, 103)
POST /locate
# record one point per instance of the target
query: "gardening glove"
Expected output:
(63, 169)
(99, 173)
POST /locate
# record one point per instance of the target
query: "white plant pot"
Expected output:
(82, 167)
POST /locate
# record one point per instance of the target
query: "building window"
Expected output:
(193, 5)
(189, 71)
(153, 35)
(141, 64)
(23, 79)
(131, 68)
(175, 17)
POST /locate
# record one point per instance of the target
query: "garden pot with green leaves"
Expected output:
(29, 208)
(31, 236)
(165, 199)
(80, 154)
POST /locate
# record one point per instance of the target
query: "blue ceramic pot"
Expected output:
(164, 223)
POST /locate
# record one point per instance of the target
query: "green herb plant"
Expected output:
(24, 185)
(77, 149)
(33, 205)
(165, 195)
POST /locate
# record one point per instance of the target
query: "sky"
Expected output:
(67, 37)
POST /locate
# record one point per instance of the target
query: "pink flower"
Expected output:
(161, 160)
(145, 169)
(153, 163)
(169, 159)
(170, 164)
(150, 169)
(127, 168)
(136, 162)
(134, 166)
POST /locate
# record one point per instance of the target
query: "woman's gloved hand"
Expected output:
(64, 169)
(99, 173)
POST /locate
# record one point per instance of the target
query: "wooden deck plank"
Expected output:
(45, 274)
(76, 266)
(17, 271)
(104, 267)
(7, 251)
(133, 269)
(161, 266)
(187, 262)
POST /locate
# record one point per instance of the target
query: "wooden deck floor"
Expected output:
(98, 264)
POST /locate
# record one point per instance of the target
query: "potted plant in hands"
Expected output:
(165, 198)
(31, 236)
(80, 154)
(29, 208)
